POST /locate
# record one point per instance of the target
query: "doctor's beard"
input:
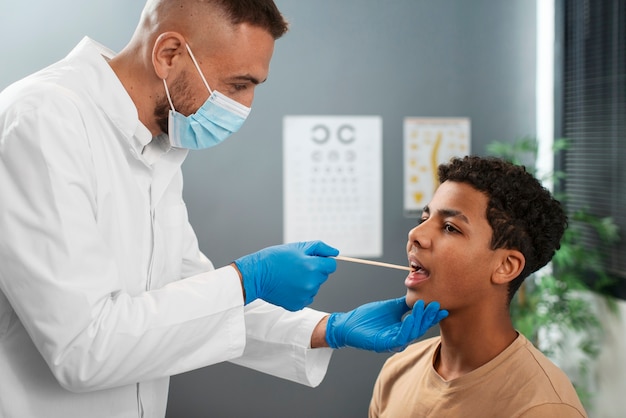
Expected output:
(181, 94)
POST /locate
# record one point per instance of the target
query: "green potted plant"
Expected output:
(552, 308)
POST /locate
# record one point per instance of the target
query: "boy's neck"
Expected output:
(470, 345)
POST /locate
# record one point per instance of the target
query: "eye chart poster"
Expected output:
(333, 182)
(429, 142)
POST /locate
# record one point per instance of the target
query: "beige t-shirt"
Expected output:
(519, 382)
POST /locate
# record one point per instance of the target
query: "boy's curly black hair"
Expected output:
(522, 213)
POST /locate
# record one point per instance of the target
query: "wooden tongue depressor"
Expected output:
(373, 263)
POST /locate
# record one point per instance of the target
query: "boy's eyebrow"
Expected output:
(448, 213)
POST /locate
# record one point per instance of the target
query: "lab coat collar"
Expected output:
(111, 95)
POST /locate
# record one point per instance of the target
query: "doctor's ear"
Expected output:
(168, 48)
(511, 265)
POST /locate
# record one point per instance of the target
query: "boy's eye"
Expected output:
(450, 228)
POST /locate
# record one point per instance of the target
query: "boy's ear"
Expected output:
(511, 265)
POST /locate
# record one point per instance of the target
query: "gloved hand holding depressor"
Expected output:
(287, 275)
(378, 326)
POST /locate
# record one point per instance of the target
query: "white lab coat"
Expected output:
(94, 242)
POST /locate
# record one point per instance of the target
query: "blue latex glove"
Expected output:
(378, 326)
(287, 275)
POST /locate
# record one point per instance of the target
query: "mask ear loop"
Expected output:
(167, 93)
(193, 58)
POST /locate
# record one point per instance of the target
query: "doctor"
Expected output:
(104, 292)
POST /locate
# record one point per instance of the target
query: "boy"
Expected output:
(489, 225)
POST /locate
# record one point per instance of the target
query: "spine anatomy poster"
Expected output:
(429, 142)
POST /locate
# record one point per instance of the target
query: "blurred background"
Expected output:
(394, 59)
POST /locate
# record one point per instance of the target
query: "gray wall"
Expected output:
(392, 58)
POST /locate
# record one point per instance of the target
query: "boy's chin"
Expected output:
(411, 299)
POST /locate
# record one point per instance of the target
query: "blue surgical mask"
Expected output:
(218, 118)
